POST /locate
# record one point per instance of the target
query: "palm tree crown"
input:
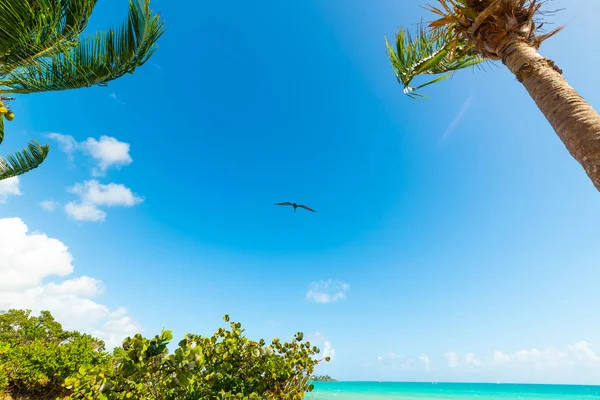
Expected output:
(467, 32)
(43, 48)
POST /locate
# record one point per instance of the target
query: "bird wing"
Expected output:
(285, 203)
(306, 207)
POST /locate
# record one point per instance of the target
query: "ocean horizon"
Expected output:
(354, 390)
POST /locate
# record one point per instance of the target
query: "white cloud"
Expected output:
(99, 194)
(49, 205)
(9, 187)
(84, 212)
(108, 152)
(66, 143)
(578, 354)
(582, 351)
(425, 360)
(538, 359)
(527, 356)
(327, 291)
(465, 107)
(27, 259)
(500, 358)
(471, 360)
(93, 194)
(80, 286)
(452, 359)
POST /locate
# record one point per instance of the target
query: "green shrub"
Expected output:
(38, 355)
(226, 365)
(39, 359)
(235, 365)
(4, 348)
(142, 369)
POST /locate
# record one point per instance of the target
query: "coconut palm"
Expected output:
(43, 48)
(467, 32)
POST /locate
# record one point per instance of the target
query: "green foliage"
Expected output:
(142, 369)
(23, 161)
(39, 359)
(236, 366)
(42, 48)
(429, 52)
(226, 365)
(37, 355)
(4, 348)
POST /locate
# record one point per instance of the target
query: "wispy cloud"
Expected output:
(395, 361)
(114, 96)
(66, 143)
(9, 187)
(463, 110)
(328, 291)
(49, 205)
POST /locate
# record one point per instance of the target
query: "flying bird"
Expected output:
(287, 203)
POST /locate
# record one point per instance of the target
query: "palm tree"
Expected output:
(43, 48)
(468, 32)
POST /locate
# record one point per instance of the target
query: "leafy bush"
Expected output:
(37, 355)
(4, 348)
(226, 365)
(38, 359)
(235, 365)
(142, 369)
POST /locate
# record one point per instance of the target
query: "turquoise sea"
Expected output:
(454, 391)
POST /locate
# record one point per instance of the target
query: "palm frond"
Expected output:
(23, 161)
(430, 52)
(95, 60)
(31, 30)
(1, 130)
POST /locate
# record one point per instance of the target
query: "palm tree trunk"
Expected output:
(576, 123)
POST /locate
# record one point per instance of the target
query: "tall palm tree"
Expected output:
(43, 48)
(468, 32)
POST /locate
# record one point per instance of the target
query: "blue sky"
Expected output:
(446, 229)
